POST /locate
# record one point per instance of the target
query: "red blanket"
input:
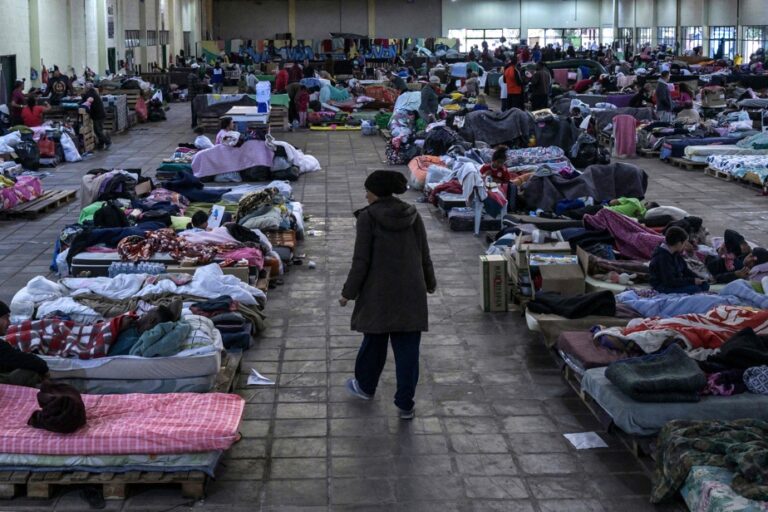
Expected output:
(64, 338)
(125, 424)
(709, 330)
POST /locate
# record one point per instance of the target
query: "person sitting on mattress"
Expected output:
(199, 222)
(16, 367)
(669, 273)
(226, 125)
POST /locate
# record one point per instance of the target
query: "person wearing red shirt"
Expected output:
(32, 114)
(302, 104)
(497, 169)
(18, 100)
(514, 82)
(281, 80)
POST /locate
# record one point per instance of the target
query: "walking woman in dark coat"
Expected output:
(389, 280)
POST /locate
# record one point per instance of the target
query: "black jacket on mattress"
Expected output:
(578, 306)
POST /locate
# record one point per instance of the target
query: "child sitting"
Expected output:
(497, 169)
(201, 141)
(669, 273)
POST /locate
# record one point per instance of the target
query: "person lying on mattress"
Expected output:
(725, 270)
(668, 271)
(16, 367)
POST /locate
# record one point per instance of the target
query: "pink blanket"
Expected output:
(625, 136)
(125, 424)
(633, 240)
(220, 159)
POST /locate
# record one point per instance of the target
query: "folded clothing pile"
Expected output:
(668, 376)
(235, 329)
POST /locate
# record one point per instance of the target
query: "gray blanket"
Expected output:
(601, 182)
(603, 117)
(669, 376)
(512, 127)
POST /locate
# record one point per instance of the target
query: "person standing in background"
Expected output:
(541, 84)
(18, 100)
(98, 114)
(217, 78)
(514, 83)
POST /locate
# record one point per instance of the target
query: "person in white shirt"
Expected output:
(251, 81)
(201, 141)
(502, 88)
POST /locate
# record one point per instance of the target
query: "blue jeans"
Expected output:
(373, 356)
(691, 289)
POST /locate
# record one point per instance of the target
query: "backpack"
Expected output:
(585, 151)
(110, 216)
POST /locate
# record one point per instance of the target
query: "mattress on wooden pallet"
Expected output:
(97, 263)
(193, 368)
(163, 463)
(708, 489)
(647, 418)
(550, 326)
(580, 348)
(700, 153)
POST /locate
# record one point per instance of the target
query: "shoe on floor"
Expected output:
(354, 389)
(406, 415)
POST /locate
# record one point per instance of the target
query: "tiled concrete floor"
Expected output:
(491, 405)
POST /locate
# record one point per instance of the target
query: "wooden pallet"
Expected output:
(48, 202)
(230, 365)
(386, 134)
(278, 119)
(718, 174)
(686, 164)
(115, 485)
(12, 483)
(209, 124)
(649, 153)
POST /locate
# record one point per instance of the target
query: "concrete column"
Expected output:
(34, 40)
(371, 19)
(142, 49)
(292, 18)
(101, 30)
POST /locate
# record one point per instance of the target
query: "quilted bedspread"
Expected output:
(125, 424)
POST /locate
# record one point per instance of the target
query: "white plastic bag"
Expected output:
(71, 154)
(8, 142)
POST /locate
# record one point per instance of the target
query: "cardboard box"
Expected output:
(494, 295)
(144, 188)
(241, 273)
(519, 254)
(559, 272)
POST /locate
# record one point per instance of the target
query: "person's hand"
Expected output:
(698, 281)
(343, 302)
(742, 272)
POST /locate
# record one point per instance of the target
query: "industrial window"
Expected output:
(164, 37)
(151, 37)
(692, 37)
(644, 36)
(755, 36)
(608, 38)
(625, 33)
(132, 38)
(725, 36)
(475, 37)
(666, 36)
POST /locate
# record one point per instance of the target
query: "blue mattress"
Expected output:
(647, 418)
(675, 148)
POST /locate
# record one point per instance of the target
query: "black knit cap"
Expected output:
(4, 310)
(385, 183)
(760, 254)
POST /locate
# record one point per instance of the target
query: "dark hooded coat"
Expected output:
(391, 269)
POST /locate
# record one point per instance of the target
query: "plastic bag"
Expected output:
(71, 154)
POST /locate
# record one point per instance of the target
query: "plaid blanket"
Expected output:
(125, 424)
(64, 338)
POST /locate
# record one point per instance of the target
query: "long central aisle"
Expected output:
(491, 406)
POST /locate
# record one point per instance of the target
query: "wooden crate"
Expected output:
(278, 119)
(718, 174)
(209, 124)
(48, 202)
(12, 483)
(230, 365)
(115, 485)
(131, 96)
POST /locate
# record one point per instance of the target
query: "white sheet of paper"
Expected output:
(257, 379)
(585, 440)
(217, 212)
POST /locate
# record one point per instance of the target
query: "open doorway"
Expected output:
(7, 76)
